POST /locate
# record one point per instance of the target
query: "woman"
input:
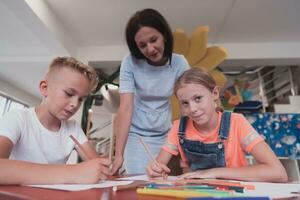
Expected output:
(147, 78)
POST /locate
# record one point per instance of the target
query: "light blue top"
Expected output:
(152, 87)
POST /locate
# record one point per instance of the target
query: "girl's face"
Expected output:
(151, 44)
(197, 102)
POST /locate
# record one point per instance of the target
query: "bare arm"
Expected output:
(158, 167)
(268, 168)
(123, 121)
(20, 172)
(88, 150)
(5, 147)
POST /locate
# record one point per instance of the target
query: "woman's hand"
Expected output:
(155, 169)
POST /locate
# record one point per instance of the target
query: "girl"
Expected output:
(212, 143)
(144, 102)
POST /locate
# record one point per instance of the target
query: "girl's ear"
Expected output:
(43, 86)
(216, 93)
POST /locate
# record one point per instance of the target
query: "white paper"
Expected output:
(272, 190)
(146, 178)
(77, 187)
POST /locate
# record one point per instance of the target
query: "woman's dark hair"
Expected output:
(151, 18)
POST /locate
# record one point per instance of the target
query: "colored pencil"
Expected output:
(135, 184)
(80, 148)
(231, 198)
(151, 156)
(183, 193)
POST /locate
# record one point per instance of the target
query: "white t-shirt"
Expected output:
(34, 143)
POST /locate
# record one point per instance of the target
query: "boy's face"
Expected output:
(64, 90)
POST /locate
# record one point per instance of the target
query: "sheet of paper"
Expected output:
(272, 190)
(145, 178)
(77, 187)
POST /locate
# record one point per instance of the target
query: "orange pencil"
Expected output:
(133, 185)
(80, 148)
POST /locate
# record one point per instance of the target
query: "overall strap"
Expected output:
(182, 125)
(225, 125)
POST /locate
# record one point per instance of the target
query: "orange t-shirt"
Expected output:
(242, 137)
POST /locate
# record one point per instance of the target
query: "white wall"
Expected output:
(18, 94)
(101, 53)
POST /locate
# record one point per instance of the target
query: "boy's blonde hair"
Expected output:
(71, 63)
(198, 76)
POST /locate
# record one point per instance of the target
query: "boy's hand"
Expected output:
(155, 169)
(116, 165)
(91, 171)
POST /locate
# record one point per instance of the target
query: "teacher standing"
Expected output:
(147, 79)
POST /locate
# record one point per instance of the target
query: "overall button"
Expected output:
(181, 141)
(220, 145)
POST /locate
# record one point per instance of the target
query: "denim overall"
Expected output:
(201, 155)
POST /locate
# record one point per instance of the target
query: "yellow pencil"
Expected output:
(151, 156)
(185, 193)
(80, 148)
(171, 193)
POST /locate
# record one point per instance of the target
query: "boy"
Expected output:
(35, 143)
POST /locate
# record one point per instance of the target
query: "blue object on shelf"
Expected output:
(248, 107)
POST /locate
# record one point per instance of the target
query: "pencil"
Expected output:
(112, 141)
(135, 184)
(150, 155)
(80, 148)
(183, 193)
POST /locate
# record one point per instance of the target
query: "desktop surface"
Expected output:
(14, 192)
(31, 193)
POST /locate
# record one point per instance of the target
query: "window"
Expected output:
(8, 103)
(16, 105)
(2, 105)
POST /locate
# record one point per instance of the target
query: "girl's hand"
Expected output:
(91, 171)
(208, 173)
(155, 169)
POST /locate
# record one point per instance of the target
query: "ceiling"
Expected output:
(102, 22)
(255, 32)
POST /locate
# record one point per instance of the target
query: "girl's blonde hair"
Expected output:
(71, 63)
(197, 76)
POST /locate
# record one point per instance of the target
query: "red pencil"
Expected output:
(79, 147)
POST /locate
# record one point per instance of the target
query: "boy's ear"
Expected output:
(216, 93)
(43, 86)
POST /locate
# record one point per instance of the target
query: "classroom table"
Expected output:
(31, 193)
(14, 192)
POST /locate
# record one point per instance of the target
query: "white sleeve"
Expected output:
(11, 125)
